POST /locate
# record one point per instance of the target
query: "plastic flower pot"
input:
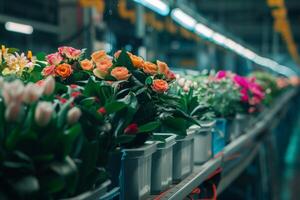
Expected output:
(202, 142)
(114, 167)
(220, 135)
(183, 158)
(135, 176)
(162, 162)
(238, 126)
(92, 195)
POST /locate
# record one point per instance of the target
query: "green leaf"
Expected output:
(62, 114)
(27, 185)
(175, 125)
(149, 127)
(36, 74)
(124, 60)
(12, 50)
(123, 139)
(87, 102)
(149, 80)
(41, 56)
(113, 107)
(69, 137)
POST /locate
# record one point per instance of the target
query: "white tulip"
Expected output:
(49, 85)
(32, 93)
(186, 88)
(188, 83)
(181, 82)
(73, 115)
(43, 113)
(13, 91)
(12, 112)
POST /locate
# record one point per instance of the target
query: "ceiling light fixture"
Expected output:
(156, 5)
(20, 28)
(203, 30)
(184, 19)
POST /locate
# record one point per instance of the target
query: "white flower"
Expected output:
(73, 115)
(49, 85)
(43, 113)
(12, 112)
(13, 91)
(32, 93)
(181, 82)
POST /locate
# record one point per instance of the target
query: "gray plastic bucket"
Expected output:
(238, 125)
(183, 158)
(162, 163)
(202, 143)
(135, 176)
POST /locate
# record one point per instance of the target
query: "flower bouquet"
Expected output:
(32, 128)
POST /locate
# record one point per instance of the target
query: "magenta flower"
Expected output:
(244, 95)
(241, 81)
(221, 74)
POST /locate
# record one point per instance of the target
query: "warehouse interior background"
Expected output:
(237, 35)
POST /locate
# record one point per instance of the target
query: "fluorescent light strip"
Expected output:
(184, 19)
(156, 5)
(19, 28)
(203, 30)
(219, 39)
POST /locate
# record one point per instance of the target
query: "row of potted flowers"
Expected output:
(70, 122)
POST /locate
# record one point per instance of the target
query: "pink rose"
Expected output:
(221, 74)
(241, 81)
(49, 70)
(54, 58)
(69, 52)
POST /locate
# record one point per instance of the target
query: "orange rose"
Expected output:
(64, 70)
(294, 80)
(162, 68)
(159, 86)
(102, 68)
(98, 56)
(137, 61)
(86, 64)
(120, 73)
(150, 68)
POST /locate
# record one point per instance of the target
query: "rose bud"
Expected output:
(13, 91)
(102, 110)
(43, 113)
(12, 112)
(73, 115)
(131, 129)
(32, 93)
(49, 85)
